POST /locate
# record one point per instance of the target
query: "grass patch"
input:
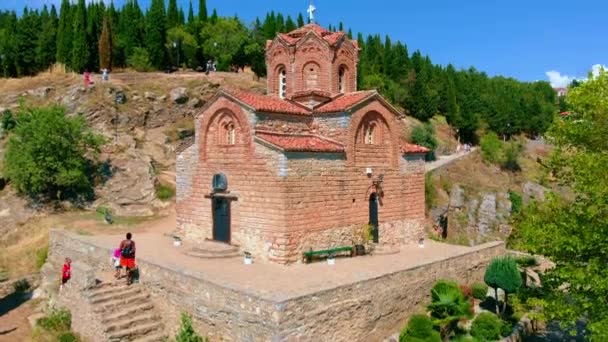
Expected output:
(55, 327)
(41, 256)
(164, 192)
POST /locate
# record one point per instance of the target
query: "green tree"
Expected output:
(491, 148)
(64, 33)
(47, 45)
(105, 45)
(502, 273)
(289, 24)
(223, 40)
(80, 45)
(140, 60)
(300, 20)
(573, 231)
(172, 14)
(419, 328)
(156, 34)
(424, 135)
(46, 156)
(202, 10)
(186, 46)
(186, 332)
(448, 306)
(190, 14)
(26, 42)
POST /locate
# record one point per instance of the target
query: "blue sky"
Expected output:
(526, 39)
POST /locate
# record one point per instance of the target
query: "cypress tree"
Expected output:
(46, 47)
(350, 34)
(156, 33)
(300, 20)
(340, 27)
(64, 33)
(213, 18)
(105, 45)
(26, 42)
(172, 14)
(270, 26)
(181, 18)
(202, 10)
(190, 14)
(290, 25)
(8, 45)
(80, 47)
(280, 26)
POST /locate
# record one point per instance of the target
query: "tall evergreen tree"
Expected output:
(80, 48)
(280, 23)
(181, 18)
(213, 18)
(350, 34)
(190, 14)
(290, 25)
(46, 47)
(105, 45)
(340, 27)
(156, 34)
(270, 26)
(300, 20)
(202, 10)
(26, 42)
(172, 14)
(64, 33)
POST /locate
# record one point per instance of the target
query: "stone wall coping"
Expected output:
(282, 298)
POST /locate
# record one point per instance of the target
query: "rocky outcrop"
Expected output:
(457, 196)
(179, 95)
(486, 215)
(534, 191)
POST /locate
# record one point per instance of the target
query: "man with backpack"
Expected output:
(127, 257)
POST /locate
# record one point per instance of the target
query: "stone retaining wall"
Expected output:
(368, 310)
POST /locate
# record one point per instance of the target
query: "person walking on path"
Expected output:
(66, 272)
(127, 257)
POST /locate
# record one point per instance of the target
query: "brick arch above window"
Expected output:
(311, 74)
(372, 130)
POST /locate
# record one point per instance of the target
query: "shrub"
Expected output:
(419, 328)
(67, 337)
(164, 192)
(21, 285)
(47, 154)
(464, 338)
(58, 320)
(41, 256)
(516, 202)
(448, 305)
(140, 60)
(424, 135)
(491, 148)
(186, 332)
(503, 273)
(480, 291)
(8, 121)
(486, 327)
(511, 155)
(526, 261)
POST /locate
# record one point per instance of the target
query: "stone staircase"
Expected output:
(126, 313)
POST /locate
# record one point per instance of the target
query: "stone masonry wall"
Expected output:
(368, 310)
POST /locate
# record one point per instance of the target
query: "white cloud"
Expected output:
(596, 68)
(558, 80)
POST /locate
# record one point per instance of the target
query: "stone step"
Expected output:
(136, 332)
(115, 305)
(133, 321)
(127, 312)
(107, 297)
(156, 337)
(106, 289)
(212, 254)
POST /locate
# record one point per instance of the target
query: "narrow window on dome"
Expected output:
(369, 134)
(230, 134)
(282, 83)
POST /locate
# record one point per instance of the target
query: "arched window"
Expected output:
(229, 133)
(282, 83)
(369, 134)
(341, 80)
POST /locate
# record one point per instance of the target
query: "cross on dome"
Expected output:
(311, 12)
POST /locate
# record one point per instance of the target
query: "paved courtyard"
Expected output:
(277, 282)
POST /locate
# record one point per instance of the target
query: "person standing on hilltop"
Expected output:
(127, 257)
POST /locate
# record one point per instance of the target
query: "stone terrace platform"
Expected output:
(358, 299)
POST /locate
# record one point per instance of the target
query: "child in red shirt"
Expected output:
(66, 272)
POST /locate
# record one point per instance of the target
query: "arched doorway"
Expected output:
(221, 209)
(373, 215)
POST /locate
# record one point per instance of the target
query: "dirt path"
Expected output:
(444, 160)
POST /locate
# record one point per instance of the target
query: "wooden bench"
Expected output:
(310, 254)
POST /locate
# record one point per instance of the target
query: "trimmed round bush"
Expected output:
(480, 291)
(486, 327)
(419, 328)
(67, 337)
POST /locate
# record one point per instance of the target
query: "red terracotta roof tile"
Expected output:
(331, 38)
(407, 148)
(299, 142)
(269, 104)
(344, 102)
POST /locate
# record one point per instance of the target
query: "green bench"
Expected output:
(310, 254)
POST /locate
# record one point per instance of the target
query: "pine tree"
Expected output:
(105, 45)
(290, 25)
(181, 18)
(202, 10)
(8, 45)
(156, 34)
(64, 33)
(26, 42)
(300, 20)
(340, 27)
(350, 34)
(190, 14)
(172, 14)
(46, 47)
(270, 26)
(280, 26)
(80, 47)
(213, 18)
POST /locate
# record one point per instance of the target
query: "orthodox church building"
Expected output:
(308, 165)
